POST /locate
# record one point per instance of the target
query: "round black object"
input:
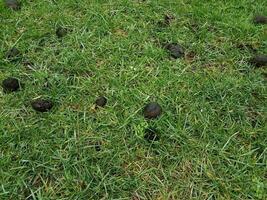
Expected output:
(61, 32)
(10, 84)
(259, 60)
(101, 101)
(260, 19)
(152, 110)
(42, 105)
(151, 135)
(12, 54)
(175, 50)
(13, 4)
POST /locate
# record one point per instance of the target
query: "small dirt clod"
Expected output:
(101, 101)
(259, 60)
(13, 4)
(152, 110)
(10, 84)
(151, 135)
(61, 32)
(42, 105)
(260, 19)
(176, 51)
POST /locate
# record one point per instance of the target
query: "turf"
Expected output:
(212, 131)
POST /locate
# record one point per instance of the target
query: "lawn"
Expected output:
(209, 141)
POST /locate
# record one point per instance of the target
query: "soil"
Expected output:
(101, 101)
(259, 61)
(42, 105)
(61, 32)
(152, 110)
(260, 19)
(13, 4)
(10, 84)
(176, 50)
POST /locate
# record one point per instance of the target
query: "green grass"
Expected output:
(213, 127)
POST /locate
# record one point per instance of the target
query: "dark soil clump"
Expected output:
(152, 110)
(13, 54)
(101, 101)
(151, 135)
(259, 61)
(260, 19)
(42, 105)
(13, 4)
(61, 32)
(10, 84)
(176, 51)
